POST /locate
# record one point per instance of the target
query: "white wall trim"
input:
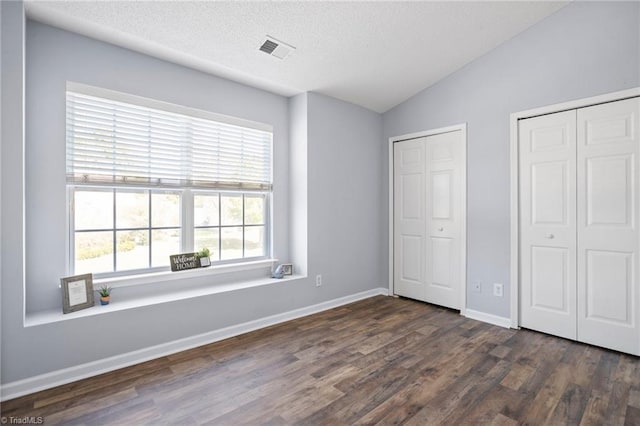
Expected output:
(463, 177)
(489, 318)
(514, 281)
(515, 201)
(94, 368)
(390, 201)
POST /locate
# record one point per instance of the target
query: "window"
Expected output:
(231, 225)
(118, 229)
(145, 183)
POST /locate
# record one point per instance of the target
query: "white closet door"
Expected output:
(548, 223)
(444, 219)
(608, 236)
(409, 219)
(428, 218)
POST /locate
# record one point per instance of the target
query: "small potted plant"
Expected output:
(105, 294)
(204, 255)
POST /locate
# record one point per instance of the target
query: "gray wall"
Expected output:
(11, 228)
(344, 199)
(342, 218)
(583, 50)
(54, 57)
(1, 248)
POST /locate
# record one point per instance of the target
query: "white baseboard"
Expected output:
(94, 368)
(491, 319)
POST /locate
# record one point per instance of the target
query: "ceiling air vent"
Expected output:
(268, 46)
(276, 48)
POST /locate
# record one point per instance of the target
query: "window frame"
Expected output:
(187, 228)
(220, 226)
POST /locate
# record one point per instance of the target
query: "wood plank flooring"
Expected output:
(378, 361)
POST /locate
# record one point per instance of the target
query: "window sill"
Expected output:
(164, 276)
(52, 316)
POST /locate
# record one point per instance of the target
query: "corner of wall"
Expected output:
(298, 136)
(12, 39)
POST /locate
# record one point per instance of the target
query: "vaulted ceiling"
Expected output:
(372, 53)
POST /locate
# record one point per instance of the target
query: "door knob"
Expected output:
(440, 229)
(550, 236)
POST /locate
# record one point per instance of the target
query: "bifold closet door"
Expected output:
(548, 223)
(444, 218)
(409, 218)
(608, 238)
(579, 211)
(428, 218)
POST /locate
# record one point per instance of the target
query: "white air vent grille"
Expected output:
(276, 48)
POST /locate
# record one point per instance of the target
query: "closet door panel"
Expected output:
(409, 219)
(547, 223)
(608, 287)
(428, 218)
(549, 274)
(549, 198)
(607, 231)
(608, 193)
(444, 218)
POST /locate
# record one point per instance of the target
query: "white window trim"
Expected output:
(187, 221)
(122, 278)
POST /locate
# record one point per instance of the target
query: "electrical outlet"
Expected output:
(497, 289)
(318, 280)
(477, 286)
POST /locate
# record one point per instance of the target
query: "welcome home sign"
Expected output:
(184, 261)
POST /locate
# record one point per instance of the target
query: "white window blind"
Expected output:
(116, 143)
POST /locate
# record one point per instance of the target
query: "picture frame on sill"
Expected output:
(287, 269)
(77, 293)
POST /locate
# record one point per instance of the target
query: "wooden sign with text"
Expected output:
(184, 261)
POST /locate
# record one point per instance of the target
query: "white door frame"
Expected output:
(515, 196)
(463, 178)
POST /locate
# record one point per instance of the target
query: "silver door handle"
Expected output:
(550, 236)
(440, 229)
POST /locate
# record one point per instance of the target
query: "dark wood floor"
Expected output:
(378, 361)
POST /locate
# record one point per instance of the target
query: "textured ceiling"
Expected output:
(373, 54)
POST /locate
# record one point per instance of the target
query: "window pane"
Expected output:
(254, 241)
(132, 250)
(132, 209)
(231, 225)
(165, 209)
(231, 210)
(93, 209)
(205, 210)
(164, 243)
(93, 252)
(231, 243)
(207, 237)
(254, 209)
